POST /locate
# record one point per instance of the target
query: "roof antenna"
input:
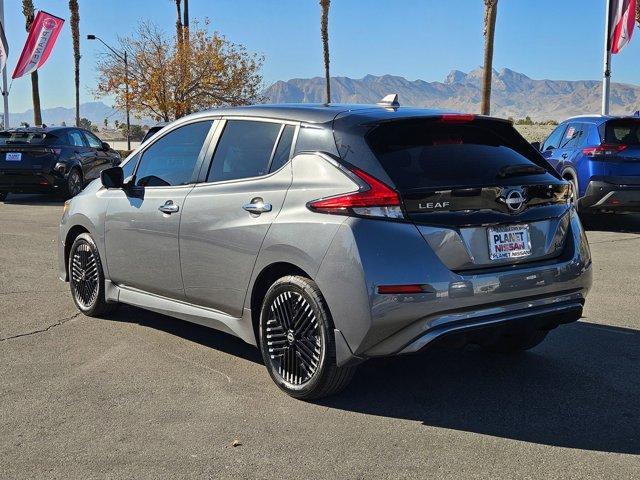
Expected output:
(390, 100)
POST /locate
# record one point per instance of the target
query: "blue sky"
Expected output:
(414, 38)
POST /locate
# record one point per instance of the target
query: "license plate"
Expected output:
(509, 242)
(13, 157)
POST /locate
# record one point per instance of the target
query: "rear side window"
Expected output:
(431, 154)
(574, 135)
(75, 138)
(622, 132)
(283, 151)
(172, 159)
(244, 150)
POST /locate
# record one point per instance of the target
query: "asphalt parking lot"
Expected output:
(142, 395)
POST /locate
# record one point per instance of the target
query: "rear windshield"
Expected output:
(622, 132)
(26, 138)
(427, 154)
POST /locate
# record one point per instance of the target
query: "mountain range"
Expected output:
(513, 94)
(96, 112)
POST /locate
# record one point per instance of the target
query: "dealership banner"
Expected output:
(42, 37)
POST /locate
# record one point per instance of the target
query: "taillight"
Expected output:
(457, 117)
(56, 151)
(376, 199)
(602, 150)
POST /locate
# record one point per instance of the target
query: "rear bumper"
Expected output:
(538, 295)
(474, 326)
(30, 181)
(603, 195)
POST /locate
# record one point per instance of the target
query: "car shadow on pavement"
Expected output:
(611, 223)
(34, 199)
(578, 389)
(205, 336)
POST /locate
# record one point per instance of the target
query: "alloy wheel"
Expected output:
(294, 338)
(84, 275)
(75, 183)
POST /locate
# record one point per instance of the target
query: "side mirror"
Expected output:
(106, 146)
(112, 177)
(536, 145)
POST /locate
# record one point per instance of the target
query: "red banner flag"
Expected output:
(622, 17)
(42, 36)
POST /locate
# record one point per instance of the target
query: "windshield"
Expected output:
(26, 138)
(427, 154)
(622, 132)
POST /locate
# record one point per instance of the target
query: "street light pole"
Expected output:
(126, 99)
(124, 58)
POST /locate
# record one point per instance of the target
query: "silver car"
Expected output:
(328, 235)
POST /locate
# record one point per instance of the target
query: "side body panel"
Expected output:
(142, 242)
(299, 236)
(219, 240)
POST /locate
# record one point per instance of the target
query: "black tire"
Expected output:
(575, 193)
(297, 340)
(74, 183)
(516, 342)
(86, 278)
(3, 196)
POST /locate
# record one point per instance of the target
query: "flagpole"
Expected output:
(5, 90)
(607, 61)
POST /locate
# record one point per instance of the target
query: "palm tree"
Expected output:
(324, 32)
(490, 11)
(179, 34)
(75, 34)
(28, 12)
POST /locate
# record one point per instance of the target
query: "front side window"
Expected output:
(553, 140)
(171, 160)
(244, 150)
(94, 142)
(129, 167)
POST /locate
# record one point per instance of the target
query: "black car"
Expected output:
(51, 160)
(153, 130)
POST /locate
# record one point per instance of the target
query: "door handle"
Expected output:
(258, 206)
(169, 207)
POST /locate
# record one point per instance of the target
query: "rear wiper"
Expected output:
(515, 170)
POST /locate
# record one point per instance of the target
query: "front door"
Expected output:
(143, 221)
(226, 218)
(101, 159)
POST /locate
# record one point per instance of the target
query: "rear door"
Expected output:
(227, 217)
(142, 222)
(478, 192)
(82, 152)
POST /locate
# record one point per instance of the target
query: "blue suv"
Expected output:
(600, 155)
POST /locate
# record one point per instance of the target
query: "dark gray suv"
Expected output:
(327, 235)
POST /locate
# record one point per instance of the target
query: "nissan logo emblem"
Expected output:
(514, 200)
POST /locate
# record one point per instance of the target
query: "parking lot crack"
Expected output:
(42, 330)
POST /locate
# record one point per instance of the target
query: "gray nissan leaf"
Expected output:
(327, 235)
